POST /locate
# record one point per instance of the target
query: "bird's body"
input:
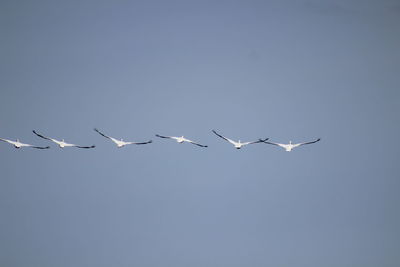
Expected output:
(181, 139)
(120, 143)
(289, 147)
(17, 144)
(61, 143)
(239, 144)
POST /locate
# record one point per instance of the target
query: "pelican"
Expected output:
(290, 146)
(121, 143)
(17, 144)
(239, 144)
(61, 143)
(181, 140)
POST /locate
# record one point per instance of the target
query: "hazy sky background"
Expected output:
(288, 70)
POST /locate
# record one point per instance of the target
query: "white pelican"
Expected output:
(181, 140)
(121, 143)
(239, 145)
(61, 143)
(18, 144)
(290, 146)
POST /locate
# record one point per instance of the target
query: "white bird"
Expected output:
(290, 146)
(239, 144)
(61, 143)
(121, 143)
(18, 144)
(181, 140)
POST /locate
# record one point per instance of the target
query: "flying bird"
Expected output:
(61, 143)
(239, 144)
(290, 146)
(18, 144)
(181, 140)
(121, 143)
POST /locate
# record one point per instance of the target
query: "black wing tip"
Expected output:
(215, 132)
(41, 147)
(102, 134)
(317, 140)
(144, 143)
(86, 147)
(41, 136)
(200, 145)
(36, 133)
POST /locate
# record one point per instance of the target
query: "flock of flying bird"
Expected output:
(120, 143)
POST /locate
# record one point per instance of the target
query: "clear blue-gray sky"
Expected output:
(288, 70)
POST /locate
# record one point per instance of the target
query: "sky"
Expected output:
(287, 70)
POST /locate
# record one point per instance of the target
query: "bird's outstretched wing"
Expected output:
(7, 141)
(197, 144)
(139, 143)
(223, 137)
(161, 136)
(44, 137)
(307, 143)
(106, 136)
